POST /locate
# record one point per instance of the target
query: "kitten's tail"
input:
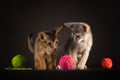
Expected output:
(31, 42)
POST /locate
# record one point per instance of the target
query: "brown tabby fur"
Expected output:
(44, 49)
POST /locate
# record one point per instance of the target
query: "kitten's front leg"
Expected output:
(54, 57)
(73, 53)
(40, 63)
(83, 60)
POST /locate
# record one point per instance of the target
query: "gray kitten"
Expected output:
(80, 43)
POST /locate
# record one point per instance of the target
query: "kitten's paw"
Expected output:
(80, 67)
(58, 67)
(85, 67)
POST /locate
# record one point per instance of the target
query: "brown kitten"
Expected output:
(80, 43)
(44, 49)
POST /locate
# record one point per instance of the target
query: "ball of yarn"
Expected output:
(107, 63)
(66, 62)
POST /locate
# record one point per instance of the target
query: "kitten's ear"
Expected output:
(42, 36)
(85, 27)
(57, 30)
(69, 25)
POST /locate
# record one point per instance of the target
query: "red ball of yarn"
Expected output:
(107, 63)
(66, 62)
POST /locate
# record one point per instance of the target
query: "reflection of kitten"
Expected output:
(44, 48)
(80, 43)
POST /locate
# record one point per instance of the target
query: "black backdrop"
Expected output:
(21, 18)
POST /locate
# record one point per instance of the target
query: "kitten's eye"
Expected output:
(56, 42)
(78, 36)
(49, 43)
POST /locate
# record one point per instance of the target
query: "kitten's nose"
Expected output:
(54, 47)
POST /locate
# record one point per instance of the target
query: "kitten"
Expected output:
(80, 43)
(44, 46)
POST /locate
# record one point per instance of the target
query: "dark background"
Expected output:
(21, 18)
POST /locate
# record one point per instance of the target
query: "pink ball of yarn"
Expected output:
(66, 62)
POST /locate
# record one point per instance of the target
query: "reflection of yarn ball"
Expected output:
(18, 61)
(107, 63)
(66, 62)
